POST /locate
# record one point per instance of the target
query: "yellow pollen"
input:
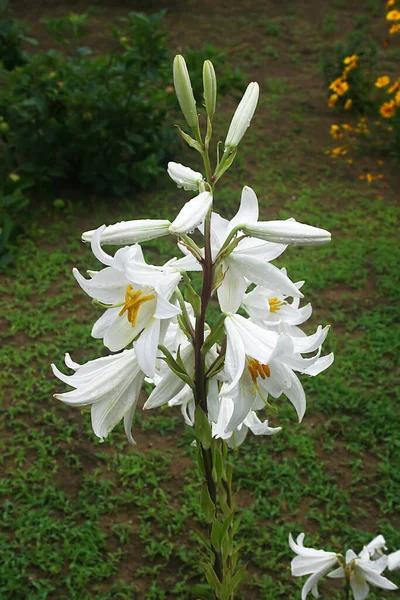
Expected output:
(274, 304)
(133, 301)
(257, 369)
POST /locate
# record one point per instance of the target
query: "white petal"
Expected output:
(126, 232)
(184, 176)
(232, 289)
(109, 411)
(287, 232)
(378, 580)
(320, 365)
(359, 587)
(263, 273)
(192, 214)
(258, 427)
(243, 115)
(107, 286)
(235, 357)
(165, 391)
(103, 323)
(146, 347)
(310, 342)
(248, 210)
(337, 573)
(394, 561)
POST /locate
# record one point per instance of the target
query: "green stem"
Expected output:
(347, 588)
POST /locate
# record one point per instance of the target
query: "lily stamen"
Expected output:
(133, 301)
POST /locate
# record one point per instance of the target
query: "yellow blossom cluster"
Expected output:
(339, 87)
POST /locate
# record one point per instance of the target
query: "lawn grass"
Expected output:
(82, 520)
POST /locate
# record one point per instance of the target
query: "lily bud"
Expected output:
(243, 115)
(184, 176)
(210, 87)
(288, 232)
(131, 232)
(184, 92)
(192, 214)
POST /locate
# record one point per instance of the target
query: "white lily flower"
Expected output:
(110, 385)
(184, 177)
(251, 378)
(269, 308)
(288, 232)
(312, 562)
(192, 214)
(376, 546)
(248, 262)
(394, 561)
(138, 298)
(364, 571)
(236, 437)
(131, 232)
(243, 115)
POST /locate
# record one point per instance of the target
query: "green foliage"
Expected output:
(100, 120)
(229, 78)
(12, 35)
(12, 202)
(360, 42)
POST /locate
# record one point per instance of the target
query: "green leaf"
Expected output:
(207, 505)
(201, 590)
(211, 577)
(202, 428)
(193, 298)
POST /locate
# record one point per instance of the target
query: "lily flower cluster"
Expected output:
(359, 570)
(149, 326)
(152, 321)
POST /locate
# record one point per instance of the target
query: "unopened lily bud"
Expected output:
(243, 115)
(131, 232)
(184, 176)
(184, 92)
(210, 87)
(288, 232)
(192, 214)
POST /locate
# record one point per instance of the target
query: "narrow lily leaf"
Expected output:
(202, 428)
(207, 505)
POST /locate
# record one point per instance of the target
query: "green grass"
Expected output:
(82, 520)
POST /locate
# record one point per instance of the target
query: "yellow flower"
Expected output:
(382, 81)
(394, 87)
(335, 132)
(397, 99)
(339, 151)
(339, 86)
(346, 127)
(348, 104)
(14, 177)
(394, 28)
(393, 15)
(333, 98)
(388, 109)
(390, 3)
(350, 59)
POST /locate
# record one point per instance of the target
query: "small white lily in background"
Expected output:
(376, 546)
(312, 562)
(138, 298)
(243, 115)
(184, 177)
(110, 385)
(364, 571)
